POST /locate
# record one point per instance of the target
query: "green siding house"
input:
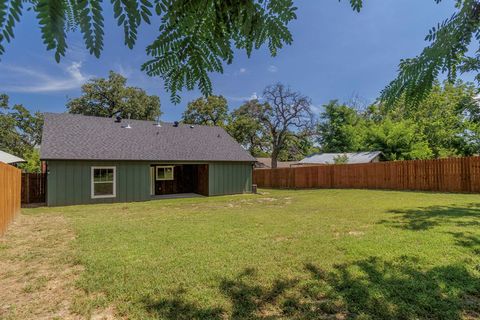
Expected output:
(103, 160)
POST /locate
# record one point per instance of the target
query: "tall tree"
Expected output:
(11, 140)
(341, 129)
(398, 140)
(298, 146)
(108, 97)
(446, 118)
(441, 117)
(210, 111)
(248, 131)
(285, 113)
(195, 37)
(20, 131)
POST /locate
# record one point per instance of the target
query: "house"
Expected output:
(96, 160)
(10, 158)
(352, 157)
(266, 163)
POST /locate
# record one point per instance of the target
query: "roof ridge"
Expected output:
(137, 120)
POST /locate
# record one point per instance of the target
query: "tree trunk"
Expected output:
(274, 159)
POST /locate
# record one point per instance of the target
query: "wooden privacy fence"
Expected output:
(34, 187)
(448, 175)
(10, 194)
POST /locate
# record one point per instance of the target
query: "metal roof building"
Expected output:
(9, 158)
(352, 157)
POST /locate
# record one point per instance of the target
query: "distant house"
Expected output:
(352, 157)
(266, 163)
(96, 160)
(10, 158)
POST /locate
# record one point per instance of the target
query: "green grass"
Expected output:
(286, 254)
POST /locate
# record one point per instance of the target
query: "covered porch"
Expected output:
(182, 180)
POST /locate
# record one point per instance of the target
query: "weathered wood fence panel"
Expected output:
(10, 194)
(447, 175)
(34, 187)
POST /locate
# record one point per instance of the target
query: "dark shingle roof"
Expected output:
(69, 136)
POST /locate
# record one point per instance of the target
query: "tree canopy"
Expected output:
(280, 127)
(248, 131)
(338, 129)
(108, 97)
(284, 114)
(20, 132)
(453, 49)
(194, 38)
(445, 123)
(210, 111)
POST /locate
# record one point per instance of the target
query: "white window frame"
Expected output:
(152, 181)
(92, 194)
(164, 167)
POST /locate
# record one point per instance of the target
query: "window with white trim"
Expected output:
(164, 173)
(103, 182)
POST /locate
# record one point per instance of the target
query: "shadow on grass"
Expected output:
(366, 289)
(467, 240)
(179, 308)
(429, 217)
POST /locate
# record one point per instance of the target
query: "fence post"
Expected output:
(27, 187)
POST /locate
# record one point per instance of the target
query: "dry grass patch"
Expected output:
(38, 269)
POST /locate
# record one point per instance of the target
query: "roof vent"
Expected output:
(158, 124)
(128, 126)
(175, 124)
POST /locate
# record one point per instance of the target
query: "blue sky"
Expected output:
(336, 54)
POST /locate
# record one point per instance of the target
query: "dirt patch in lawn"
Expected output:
(38, 269)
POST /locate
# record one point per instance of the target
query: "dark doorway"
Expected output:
(180, 178)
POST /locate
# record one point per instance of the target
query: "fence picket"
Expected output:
(10, 194)
(448, 175)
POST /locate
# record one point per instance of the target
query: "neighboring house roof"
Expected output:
(353, 157)
(9, 158)
(69, 137)
(267, 163)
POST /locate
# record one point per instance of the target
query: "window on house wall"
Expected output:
(103, 182)
(165, 173)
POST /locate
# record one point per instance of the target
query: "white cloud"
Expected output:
(245, 98)
(126, 71)
(239, 72)
(34, 80)
(272, 68)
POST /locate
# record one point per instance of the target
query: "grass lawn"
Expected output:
(314, 254)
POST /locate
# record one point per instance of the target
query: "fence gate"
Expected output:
(34, 187)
